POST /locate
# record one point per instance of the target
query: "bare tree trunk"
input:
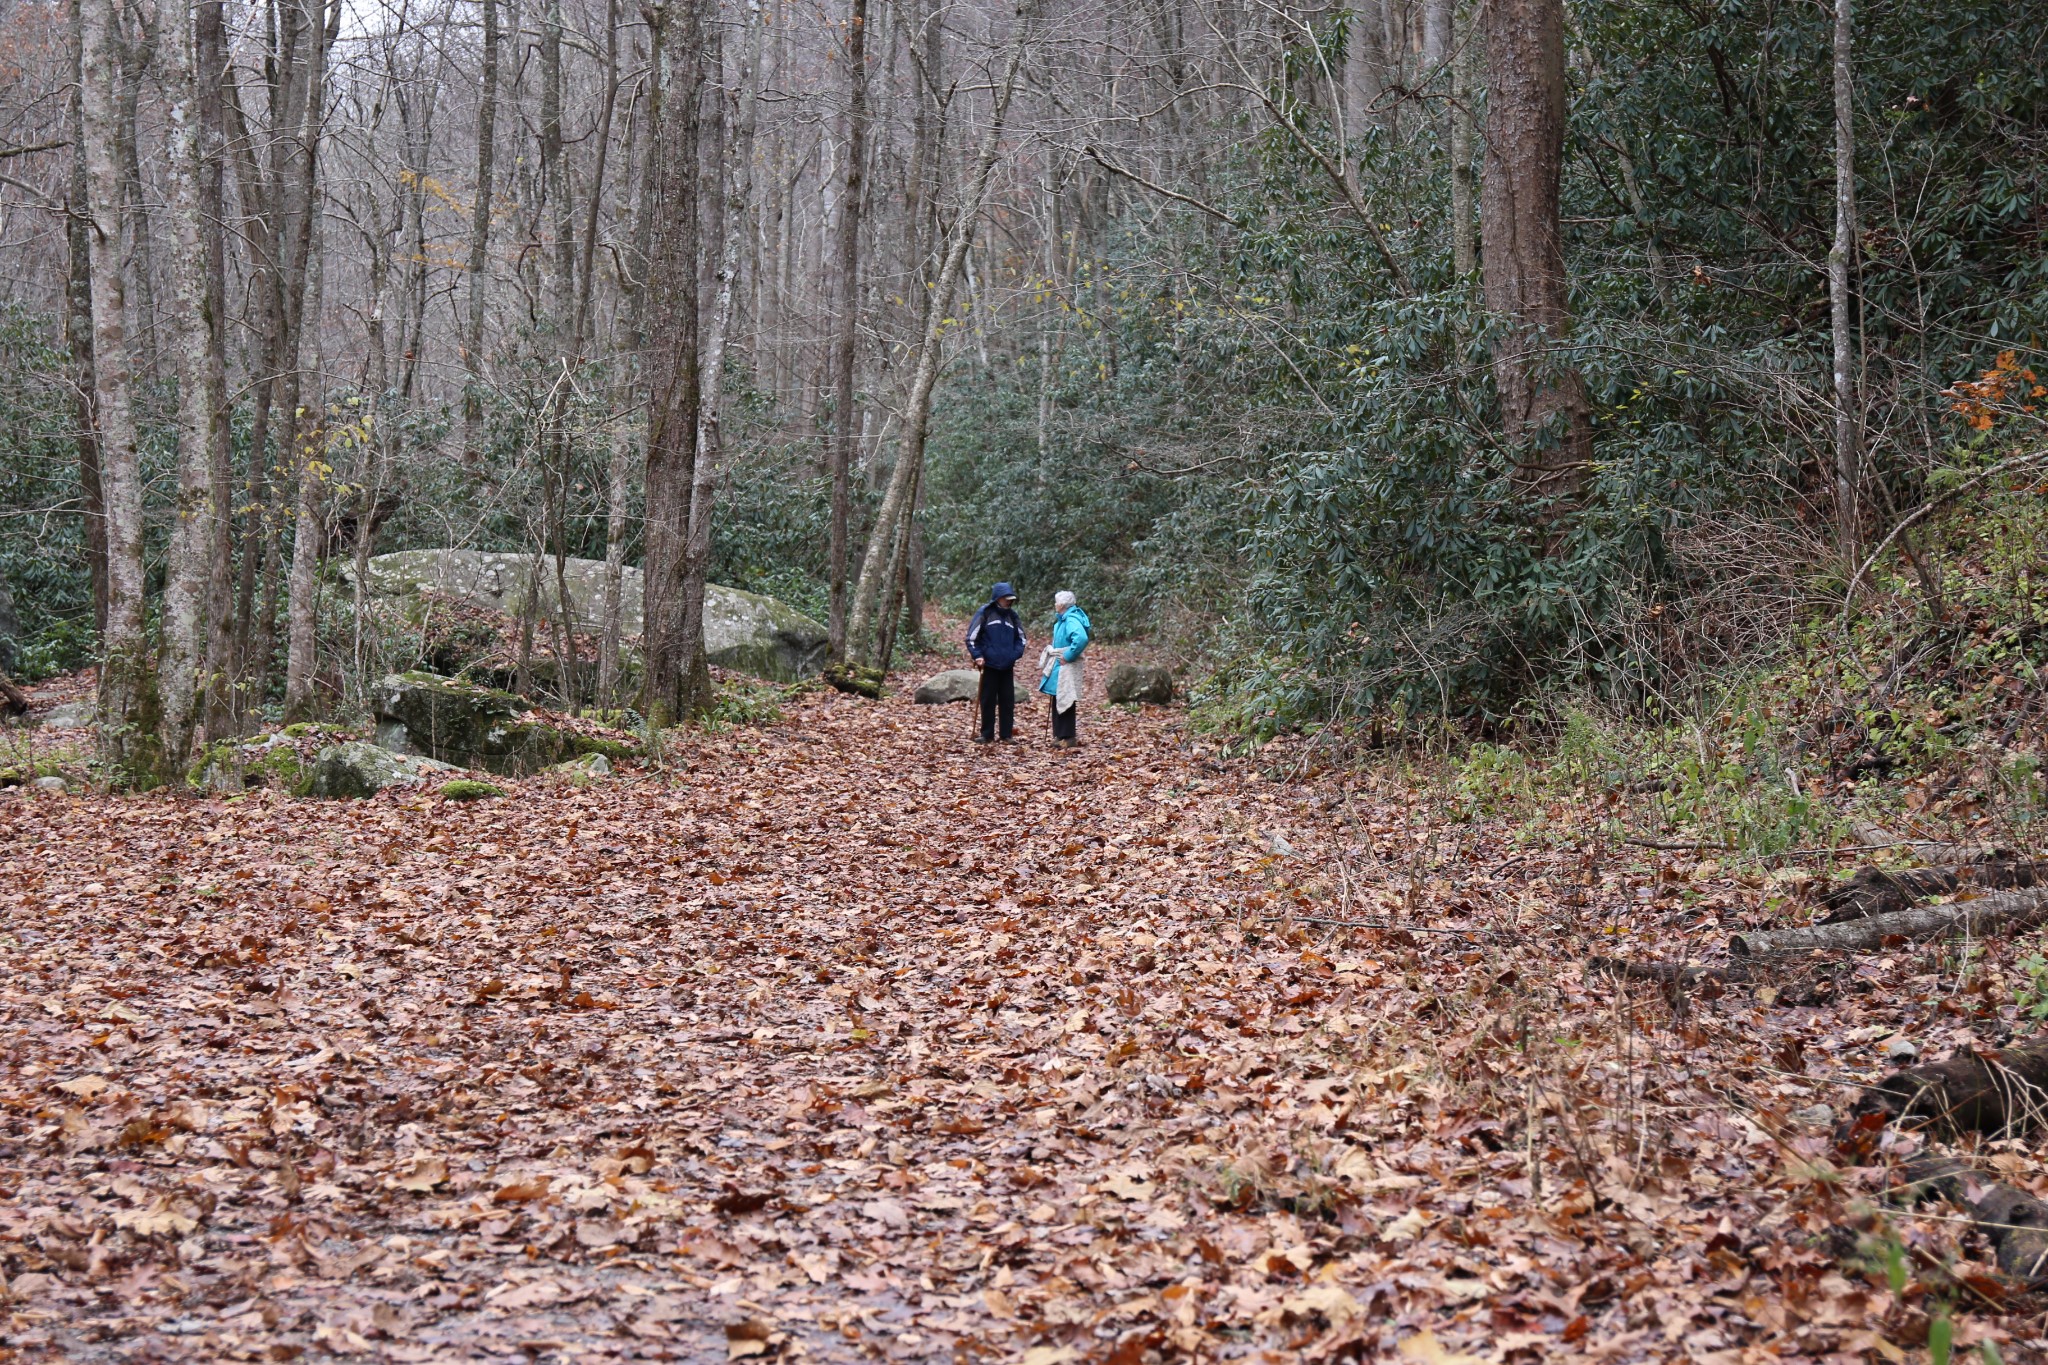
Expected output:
(78, 337)
(126, 694)
(1544, 409)
(210, 53)
(673, 393)
(139, 243)
(735, 128)
(896, 502)
(1841, 283)
(310, 469)
(633, 284)
(1464, 187)
(187, 574)
(845, 426)
(480, 238)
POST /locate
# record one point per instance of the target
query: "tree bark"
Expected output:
(210, 52)
(126, 693)
(313, 475)
(673, 392)
(2003, 912)
(78, 338)
(1841, 269)
(188, 572)
(845, 425)
(734, 126)
(1464, 181)
(1544, 409)
(480, 239)
(896, 501)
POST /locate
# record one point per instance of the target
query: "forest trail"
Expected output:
(846, 1039)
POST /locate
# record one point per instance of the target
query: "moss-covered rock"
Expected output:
(473, 726)
(858, 679)
(360, 769)
(581, 772)
(234, 765)
(469, 789)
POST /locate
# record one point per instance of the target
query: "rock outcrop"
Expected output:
(472, 726)
(361, 769)
(743, 631)
(1140, 683)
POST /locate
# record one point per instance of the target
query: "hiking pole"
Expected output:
(974, 712)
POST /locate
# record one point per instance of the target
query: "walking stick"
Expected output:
(974, 713)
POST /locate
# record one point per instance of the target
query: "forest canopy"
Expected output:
(1394, 360)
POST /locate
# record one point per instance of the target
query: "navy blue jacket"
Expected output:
(995, 636)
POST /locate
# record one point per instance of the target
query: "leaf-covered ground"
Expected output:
(845, 1039)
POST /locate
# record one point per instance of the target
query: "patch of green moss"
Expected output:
(616, 750)
(858, 679)
(469, 789)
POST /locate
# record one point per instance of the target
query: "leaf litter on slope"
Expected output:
(844, 1039)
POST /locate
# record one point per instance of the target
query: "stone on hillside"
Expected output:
(56, 785)
(742, 630)
(1140, 682)
(955, 684)
(72, 715)
(233, 765)
(581, 770)
(361, 769)
(473, 726)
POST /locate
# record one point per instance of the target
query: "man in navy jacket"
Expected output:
(995, 641)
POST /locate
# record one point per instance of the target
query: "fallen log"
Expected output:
(2003, 1092)
(2007, 910)
(12, 701)
(1875, 891)
(2015, 1222)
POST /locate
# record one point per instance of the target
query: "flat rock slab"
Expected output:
(359, 769)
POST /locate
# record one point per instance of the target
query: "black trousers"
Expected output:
(1063, 722)
(998, 692)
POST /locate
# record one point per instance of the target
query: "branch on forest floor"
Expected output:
(2009, 910)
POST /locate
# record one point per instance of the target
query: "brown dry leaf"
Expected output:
(1424, 1349)
(426, 1173)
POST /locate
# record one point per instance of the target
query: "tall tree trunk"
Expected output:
(210, 52)
(78, 337)
(187, 574)
(1464, 187)
(1544, 409)
(305, 450)
(633, 284)
(126, 693)
(138, 52)
(735, 129)
(897, 500)
(480, 239)
(1841, 286)
(672, 312)
(845, 341)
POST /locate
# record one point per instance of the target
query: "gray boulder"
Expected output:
(743, 631)
(51, 784)
(360, 769)
(955, 684)
(72, 715)
(473, 726)
(1140, 683)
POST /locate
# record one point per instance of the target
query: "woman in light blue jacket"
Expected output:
(1059, 668)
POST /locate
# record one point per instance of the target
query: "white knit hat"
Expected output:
(1062, 600)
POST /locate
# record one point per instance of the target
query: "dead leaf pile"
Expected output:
(847, 1039)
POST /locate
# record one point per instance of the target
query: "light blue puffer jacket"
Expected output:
(1069, 637)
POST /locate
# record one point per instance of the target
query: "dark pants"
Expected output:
(1063, 722)
(998, 690)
